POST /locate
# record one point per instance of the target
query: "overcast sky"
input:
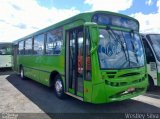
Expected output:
(19, 18)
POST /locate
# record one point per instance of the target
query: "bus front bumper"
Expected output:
(104, 92)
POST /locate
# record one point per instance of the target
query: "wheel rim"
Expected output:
(58, 87)
(21, 73)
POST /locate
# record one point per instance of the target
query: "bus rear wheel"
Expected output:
(22, 73)
(59, 87)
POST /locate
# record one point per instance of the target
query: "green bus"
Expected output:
(152, 48)
(96, 57)
(5, 55)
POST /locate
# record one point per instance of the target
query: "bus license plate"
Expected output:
(131, 89)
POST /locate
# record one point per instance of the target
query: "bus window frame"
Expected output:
(145, 39)
(149, 40)
(121, 29)
(34, 43)
(8, 46)
(59, 29)
(25, 46)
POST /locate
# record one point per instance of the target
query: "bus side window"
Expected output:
(148, 51)
(21, 48)
(54, 42)
(28, 46)
(39, 44)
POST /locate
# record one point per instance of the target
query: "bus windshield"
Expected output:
(119, 49)
(155, 41)
(5, 49)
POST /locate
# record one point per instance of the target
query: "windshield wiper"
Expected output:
(134, 49)
(127, 50)
(116, 39)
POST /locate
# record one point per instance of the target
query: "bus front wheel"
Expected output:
(150, 84)
(58, 87)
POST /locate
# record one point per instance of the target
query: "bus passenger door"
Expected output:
(74, 61)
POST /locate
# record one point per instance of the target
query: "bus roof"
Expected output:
(147, 34)
(150, 34)
(4, 43)
(82, 16)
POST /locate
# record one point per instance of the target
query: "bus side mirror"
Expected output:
(94, 34)
(93, 30)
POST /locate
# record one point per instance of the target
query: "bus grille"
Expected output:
(129, 74)
(113, 74)
(117, 84)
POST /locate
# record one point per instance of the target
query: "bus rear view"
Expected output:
(5, 55)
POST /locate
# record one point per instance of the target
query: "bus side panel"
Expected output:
(28, 71)
(87, 91)
(44, 78)
(153, 72)
(28, 64)
(158, 80)
(14, 57)
(50, 64)
(39, 68)
(5, 61)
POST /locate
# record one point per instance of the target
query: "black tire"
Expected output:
(150, 84)
(22, 73)
(59, 87)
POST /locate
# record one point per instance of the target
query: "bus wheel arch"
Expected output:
(52, 78)
(150, 83)
(57, 83)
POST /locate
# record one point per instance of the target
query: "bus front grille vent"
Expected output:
(117, 84)
(139, 80)
(111, 74)
(129, 74)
